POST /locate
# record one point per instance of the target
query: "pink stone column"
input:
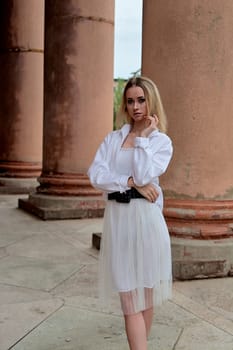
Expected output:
(78, 104)
(21, 91)
(188, 51)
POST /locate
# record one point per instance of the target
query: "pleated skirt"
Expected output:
(135, 256)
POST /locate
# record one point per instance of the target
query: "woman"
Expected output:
(135, 257)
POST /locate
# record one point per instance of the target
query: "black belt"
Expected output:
(126, 196)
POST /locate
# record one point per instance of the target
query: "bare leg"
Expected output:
(148, 312)
(136, 331)
(148, 318)
(134, 322)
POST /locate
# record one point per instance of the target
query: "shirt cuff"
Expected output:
(123, 183)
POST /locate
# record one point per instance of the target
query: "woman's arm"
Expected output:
(101, 176)
(151, 158)
(148, 191)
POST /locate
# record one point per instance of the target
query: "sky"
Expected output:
(127, 41)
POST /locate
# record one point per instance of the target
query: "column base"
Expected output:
(196, 259)
(49, 207)
(66, 185)
(15, 169)
(17, 186)
(201, 237)
(199, 219)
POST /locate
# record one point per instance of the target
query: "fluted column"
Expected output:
(21, 92)
(78, 103)
(188, 51)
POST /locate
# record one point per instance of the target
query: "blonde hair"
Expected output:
(153, 102)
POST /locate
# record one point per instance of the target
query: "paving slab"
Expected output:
(73, 328)
(35, 273)
(204, 336)
(92, 303)
(12, 231)
(17, 320)
(204, 313)
(81, 283)
(218, 295)
(10, 201)
(79, 234)
(15, 227)
(70, 329)
(13, 294)
(3, 252)
(51, 247)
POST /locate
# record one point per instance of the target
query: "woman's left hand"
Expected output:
(148, 191)
(151, 125)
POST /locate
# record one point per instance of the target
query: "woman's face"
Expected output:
(136, 103)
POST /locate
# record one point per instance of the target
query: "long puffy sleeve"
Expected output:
(102, 175)
(151, 157)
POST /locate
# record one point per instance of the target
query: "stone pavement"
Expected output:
(48, 292)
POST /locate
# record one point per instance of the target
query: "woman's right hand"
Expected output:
(148, 191)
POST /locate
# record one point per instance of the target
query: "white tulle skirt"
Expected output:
(135, 255)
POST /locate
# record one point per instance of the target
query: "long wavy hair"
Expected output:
(153, 102)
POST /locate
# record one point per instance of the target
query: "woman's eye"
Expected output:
(139, 100)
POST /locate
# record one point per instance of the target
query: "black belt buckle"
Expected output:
(123, 197)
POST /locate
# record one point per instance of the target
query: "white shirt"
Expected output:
(151, 157)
